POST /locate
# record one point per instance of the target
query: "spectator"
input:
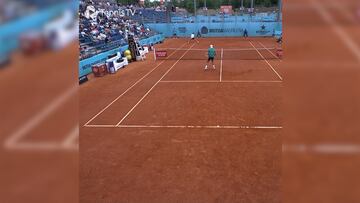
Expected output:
(245, 33)
(110, 26)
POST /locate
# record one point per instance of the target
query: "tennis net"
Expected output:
(224, 54)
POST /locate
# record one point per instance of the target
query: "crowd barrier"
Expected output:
(85, 65)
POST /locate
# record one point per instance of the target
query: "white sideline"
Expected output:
(266, 61)
(69, 141)
(152, 88)
(128, 89)
(221, 64)
(343, 36)
(270, 51)
(344, 10)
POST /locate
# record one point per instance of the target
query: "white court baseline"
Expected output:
(13, 142)
(222, 81)
(187, 126)
(323, 149)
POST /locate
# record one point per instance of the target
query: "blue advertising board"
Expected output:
(224, 29)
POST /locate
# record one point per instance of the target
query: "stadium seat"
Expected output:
(115, 62)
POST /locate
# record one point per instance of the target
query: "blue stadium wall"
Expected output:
(260, 24)
(225, 29)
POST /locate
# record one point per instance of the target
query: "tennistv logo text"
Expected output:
(92, 13)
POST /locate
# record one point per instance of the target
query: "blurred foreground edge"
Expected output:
(321, 147)
(39, 105)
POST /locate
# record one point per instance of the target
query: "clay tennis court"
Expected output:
(166, 130)
(321, 143)
(39, 129)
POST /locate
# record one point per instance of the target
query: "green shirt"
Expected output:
(211, 52)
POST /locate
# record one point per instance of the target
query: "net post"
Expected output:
(154, 53)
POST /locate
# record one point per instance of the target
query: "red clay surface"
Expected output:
(227, 104)
(163, 160)
(37, 167)
(196, 165)
(321, 88)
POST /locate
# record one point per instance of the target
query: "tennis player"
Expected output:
(211, 56)
(192, 38)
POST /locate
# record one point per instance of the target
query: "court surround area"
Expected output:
(177, 127)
